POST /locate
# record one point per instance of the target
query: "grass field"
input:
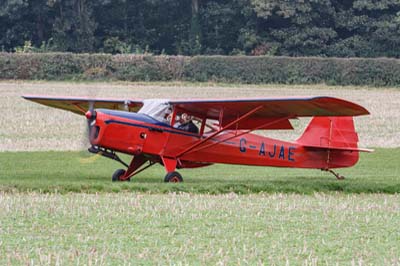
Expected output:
(73, 172)
(58, 206)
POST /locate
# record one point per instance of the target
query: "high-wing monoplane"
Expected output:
(200, 132)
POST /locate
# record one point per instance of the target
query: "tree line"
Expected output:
(339, 28)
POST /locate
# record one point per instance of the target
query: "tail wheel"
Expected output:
(118, 174)
(173, 177)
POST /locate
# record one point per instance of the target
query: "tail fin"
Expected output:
(331, 132)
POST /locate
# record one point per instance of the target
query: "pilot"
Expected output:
(187, 124)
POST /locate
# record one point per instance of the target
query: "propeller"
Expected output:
(91, 115)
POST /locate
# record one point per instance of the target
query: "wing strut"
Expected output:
(242, 133)
(80, 108)
(221, 130)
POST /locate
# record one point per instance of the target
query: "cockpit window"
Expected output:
(161, 110)
(186, 122)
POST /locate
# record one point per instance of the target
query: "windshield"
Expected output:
(159, 109)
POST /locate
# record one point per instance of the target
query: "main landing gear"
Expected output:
(136, 164)
(170, 166)
(133, 169)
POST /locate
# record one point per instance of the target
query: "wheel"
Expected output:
(173, 177)
(118, 174)
(340, 177)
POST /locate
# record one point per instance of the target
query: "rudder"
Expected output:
(330, 132)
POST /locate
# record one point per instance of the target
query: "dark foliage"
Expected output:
(327, 28)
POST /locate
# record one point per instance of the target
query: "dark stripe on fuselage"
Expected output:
(166, 129)
(133, 116)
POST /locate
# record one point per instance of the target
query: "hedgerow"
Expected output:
(236, 69)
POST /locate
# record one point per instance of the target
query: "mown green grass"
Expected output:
(377, 172)
(188, 229)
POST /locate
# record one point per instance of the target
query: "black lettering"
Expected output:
(262, 149)
(272, 154)
(291, 153)
(282, 153)
(242, 144)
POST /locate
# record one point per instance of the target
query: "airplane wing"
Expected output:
(80, 105)
(272, 113)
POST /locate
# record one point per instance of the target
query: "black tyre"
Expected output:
(118, 174)
(173, 177)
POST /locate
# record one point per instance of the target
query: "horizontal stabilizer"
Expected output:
(339, 148)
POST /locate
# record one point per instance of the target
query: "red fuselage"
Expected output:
(136, 134)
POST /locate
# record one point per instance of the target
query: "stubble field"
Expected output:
(42, 220)
(141, 229)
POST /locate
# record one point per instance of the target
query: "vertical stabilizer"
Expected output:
(333, 139)
(332, 132)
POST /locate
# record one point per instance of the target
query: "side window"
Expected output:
(211, 125)
(187, 123)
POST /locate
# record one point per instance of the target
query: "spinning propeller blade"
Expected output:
(91, 120)
(91, 115)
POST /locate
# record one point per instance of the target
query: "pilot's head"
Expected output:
(185, 118)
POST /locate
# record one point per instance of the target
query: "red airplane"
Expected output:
(163, 131)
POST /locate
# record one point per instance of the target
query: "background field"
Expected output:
(318, 220)
(29, 126)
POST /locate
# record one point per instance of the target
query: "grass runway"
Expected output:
(64, 172)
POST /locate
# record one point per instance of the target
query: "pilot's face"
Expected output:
(184, 118)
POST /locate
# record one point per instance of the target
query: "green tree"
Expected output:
(24, 20)
(364, 28)
(74, 26)
(222, 23)
(367, 28)
(120, 25)
(296, 27)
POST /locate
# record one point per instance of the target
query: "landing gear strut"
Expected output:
(337, 175)
(106, 153)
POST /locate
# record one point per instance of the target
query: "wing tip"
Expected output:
(361, 109)
(355, 109)
(30, 97)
